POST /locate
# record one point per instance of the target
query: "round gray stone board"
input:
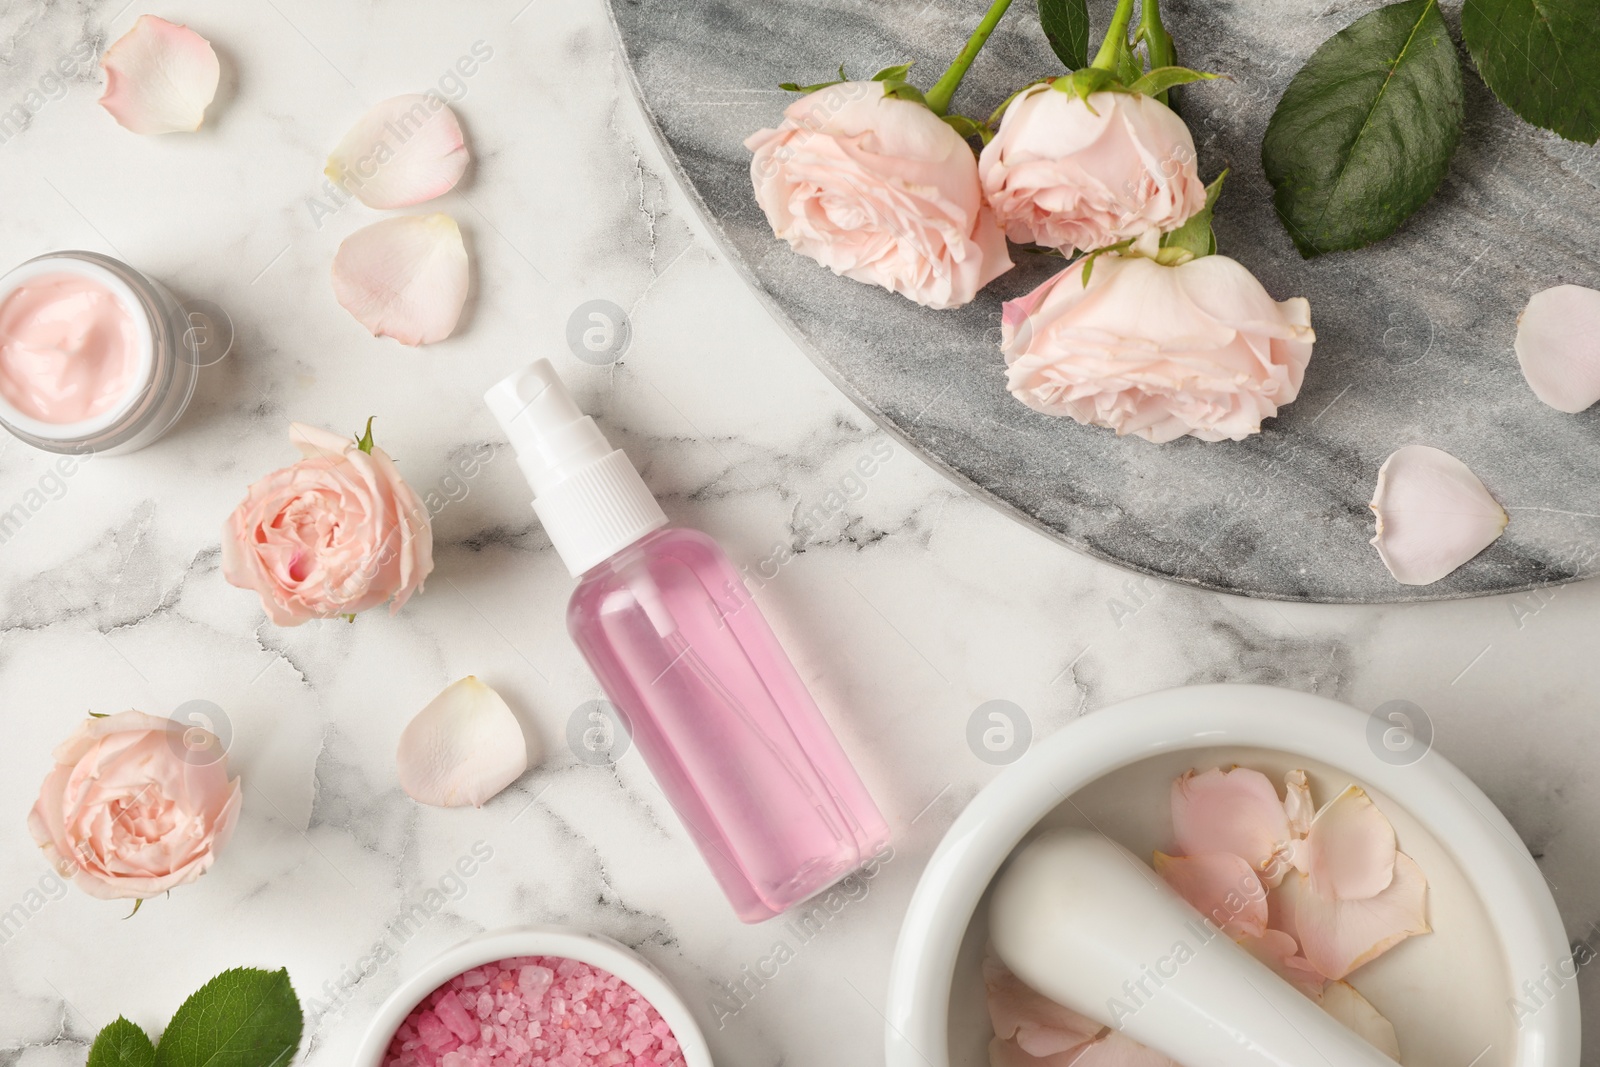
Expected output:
(1414, 334)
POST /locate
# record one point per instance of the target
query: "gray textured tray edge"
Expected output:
(955, 477)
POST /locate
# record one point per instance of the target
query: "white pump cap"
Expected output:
(591, 500)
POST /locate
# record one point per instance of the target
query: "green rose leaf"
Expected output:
(1066, 27)
(241, 1018)
(364, 442)
(1541, 58)
(1161, 79)
(969, 128)
(122, 1044)
(796, 87)
(1364, 134)
(1086, 81)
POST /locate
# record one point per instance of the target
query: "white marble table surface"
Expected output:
(906, 606)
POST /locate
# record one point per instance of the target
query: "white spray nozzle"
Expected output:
(590, 498)
(1084, 922)
(552, 437)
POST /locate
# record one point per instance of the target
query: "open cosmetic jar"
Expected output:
(95, 357)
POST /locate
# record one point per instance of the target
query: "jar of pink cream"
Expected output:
(94, 356)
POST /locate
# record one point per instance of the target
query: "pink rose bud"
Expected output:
(1075, 174)
(335, 534)
(881, 190)
(1157, 351)
(135, 805)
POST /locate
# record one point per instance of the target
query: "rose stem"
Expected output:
(1116, 39)
(938, 97)
(1157, 41)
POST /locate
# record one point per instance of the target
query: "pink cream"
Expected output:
(69, 348)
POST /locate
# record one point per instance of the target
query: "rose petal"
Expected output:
(1340, 935)
(463, 748)
(1235, 811)
(1433, 514)
(1297, 802)
(1278, 950)
(1558, 346)
(160, 77)
(1112, 1050)
(1118, 1050)
(405, 150)
(404, 278)
(1034, 1023)
(1343, 1002)
(1350, 849)
(1222, 887)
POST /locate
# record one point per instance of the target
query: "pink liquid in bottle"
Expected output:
(714, 704)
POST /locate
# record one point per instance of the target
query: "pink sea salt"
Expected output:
(534, 1011)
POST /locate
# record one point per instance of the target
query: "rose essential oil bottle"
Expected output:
(711, 700)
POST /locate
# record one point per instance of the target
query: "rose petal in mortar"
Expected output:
(1221, 886)
(1350, 851)
(1343, 1002)
(1235, 811)
(1340, 935)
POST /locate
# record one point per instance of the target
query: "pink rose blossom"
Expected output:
(1157, 351)
(881, 190)
(334, 534)
(1075, 174)
(135, 805)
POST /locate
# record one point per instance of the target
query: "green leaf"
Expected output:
(794, 87)
(1161, 79)
(968, 128)
(1364, 134)
(1066, 27)
(1541, 58)
(122, 1044)
(241, 1018)
(903, 91)
(1195, 236)
(1129, 67)
(896, 73)
(1086, 81)
(1093, 254)
(364, 442)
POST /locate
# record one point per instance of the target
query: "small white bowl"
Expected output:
(593, 949)
(1496, 925)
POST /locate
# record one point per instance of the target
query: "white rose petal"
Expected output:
(1343, 1002)
(462, 748)
(405, 150)
(404, 278)
(1558, 346)
(160, 77)
(1433, 514)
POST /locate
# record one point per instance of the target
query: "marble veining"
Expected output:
(906, 602)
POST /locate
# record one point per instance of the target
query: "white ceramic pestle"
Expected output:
(1089, 925)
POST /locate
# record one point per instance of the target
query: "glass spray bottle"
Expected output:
(713, 703)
